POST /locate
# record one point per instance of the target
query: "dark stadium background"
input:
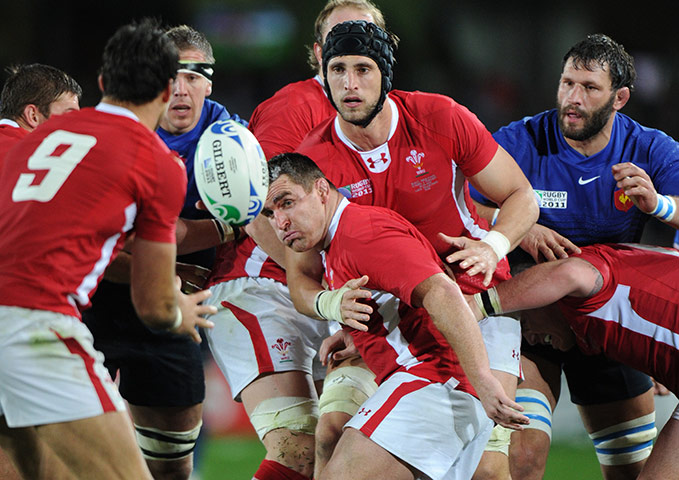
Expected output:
(501, 59)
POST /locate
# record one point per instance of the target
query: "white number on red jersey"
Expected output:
(58, 167)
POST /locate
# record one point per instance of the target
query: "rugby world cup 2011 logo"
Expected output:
(415, 158)
(281, 347)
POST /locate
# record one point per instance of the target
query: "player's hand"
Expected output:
(545, 245)
(636, 184)
(498, 406)
(474, 256)
(193, 311)
(354, 312)
(337, 347)
(193, 276)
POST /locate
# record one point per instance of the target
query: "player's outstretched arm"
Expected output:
(444, 302)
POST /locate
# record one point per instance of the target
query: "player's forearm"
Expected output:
(517, 214)
(304, 280)
(454, 319)
(196, 235)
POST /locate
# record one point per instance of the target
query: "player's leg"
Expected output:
(502, 337)
(412, 425)
(167, 437)
(617, 409)
(161, 377)
(53, 381)
(623, 432)
(664, 462)
(26, 456)
(347, 385)
(538, 394)
(266, 351)
(104, 444)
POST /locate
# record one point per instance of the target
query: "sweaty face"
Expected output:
(355, 84)
(296, 216)
(584, 101)
(66, 102)
(188, 94)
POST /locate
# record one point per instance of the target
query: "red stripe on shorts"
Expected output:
(250, 322)
(401, 391)
(75, 348)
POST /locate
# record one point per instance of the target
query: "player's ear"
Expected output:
(621, 98)
(318, 53)
(208, 89)
(322, 187)
(32, 116)
(167, 91)
(100, 83)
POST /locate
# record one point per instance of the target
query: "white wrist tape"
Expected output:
(498, 242)
(665, 208)
(224, 230)
(178, 320)
(327, 304)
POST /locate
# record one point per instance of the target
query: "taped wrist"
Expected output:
(498, 242)
(327, 304)
(665, 208)
(488, 302)
(224, 230)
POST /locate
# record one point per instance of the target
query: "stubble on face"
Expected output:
(594, 121)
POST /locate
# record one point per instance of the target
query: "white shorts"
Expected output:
(263, 333)
(49, 370)
(433, 427)
(502, 336)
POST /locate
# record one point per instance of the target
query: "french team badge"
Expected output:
(622, 201)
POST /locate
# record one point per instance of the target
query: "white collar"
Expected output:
(394, 123)
(11, 123)
(116, 110)
(334, 222)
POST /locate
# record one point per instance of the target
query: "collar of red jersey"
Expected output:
(334, 222)
(11, 123)
(116, 110)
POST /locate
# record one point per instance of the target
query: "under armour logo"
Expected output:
(382, 159)
(364, 412)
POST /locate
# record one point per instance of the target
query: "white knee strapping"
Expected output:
(537, 409)
(299, 414)
(345, 389)
(158, 444)
(625, 443)
(499, 440)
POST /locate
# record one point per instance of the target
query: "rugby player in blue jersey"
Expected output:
(599, 176)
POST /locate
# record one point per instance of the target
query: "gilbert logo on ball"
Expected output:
(231, 172)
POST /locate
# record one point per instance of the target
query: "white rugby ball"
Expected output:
(231, 172)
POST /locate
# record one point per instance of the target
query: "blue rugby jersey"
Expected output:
(578, 196)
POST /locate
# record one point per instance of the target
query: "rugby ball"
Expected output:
(231, 172)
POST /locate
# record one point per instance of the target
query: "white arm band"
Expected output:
(665, 208)
(327, 304)
(498, 242)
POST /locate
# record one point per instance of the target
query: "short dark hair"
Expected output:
(138, 61)
(300, 168)
(365, 6)
(34, 84)
(600, 50)
(186, 38)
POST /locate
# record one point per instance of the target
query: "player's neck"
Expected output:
(372, 136)
(148, 113)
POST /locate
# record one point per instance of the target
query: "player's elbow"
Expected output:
(160, 314)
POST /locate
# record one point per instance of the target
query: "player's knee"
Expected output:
(627, 442)
(537, 408)
(345, 389)
(328, 432)
(529, 448)
(297, 414)
(168, 452)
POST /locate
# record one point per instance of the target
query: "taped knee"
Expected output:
(345, 390)
(298, 414)
(499, 440)
(164, 445)
(537, 409)
(625, 443)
